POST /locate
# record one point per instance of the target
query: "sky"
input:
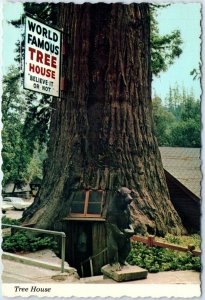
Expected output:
(185, 17)
(11, 11)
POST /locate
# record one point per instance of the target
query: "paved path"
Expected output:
(15, 272)
(170, 277)
(178, 284)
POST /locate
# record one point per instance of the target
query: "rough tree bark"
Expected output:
(101, 131)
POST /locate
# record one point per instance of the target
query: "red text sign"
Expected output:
(42, 58)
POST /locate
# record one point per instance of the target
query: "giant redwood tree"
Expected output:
(101, 131)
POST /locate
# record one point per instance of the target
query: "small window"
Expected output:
(94, 203)
(78, 203)
(87, 203)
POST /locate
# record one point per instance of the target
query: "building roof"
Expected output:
(9, 188)
(185, 165)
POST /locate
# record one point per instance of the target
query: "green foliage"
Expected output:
(35, 127)
(21, 242)
(35, 166)
(163, 121)
(196, 72)
(19, 138)
(186, 134)
(184, 240)
(15, 153)
(172, 239)
(156, 259)
(179, 122)
(9, 221)
(164, 48)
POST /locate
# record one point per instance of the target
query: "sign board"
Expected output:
(42, 58)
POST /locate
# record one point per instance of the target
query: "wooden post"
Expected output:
(82, 270)
(191, 247)
(91, 266)
(150, 240)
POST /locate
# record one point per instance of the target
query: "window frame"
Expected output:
(86, 203)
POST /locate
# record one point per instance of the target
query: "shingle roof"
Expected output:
(184, 164)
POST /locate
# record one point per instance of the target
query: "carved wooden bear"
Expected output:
(119, 229)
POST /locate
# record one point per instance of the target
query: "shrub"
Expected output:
(9, 221)
(184, 240)
(156, 259)
(21, 242)
(172, 239)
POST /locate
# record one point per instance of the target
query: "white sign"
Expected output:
(42, 58)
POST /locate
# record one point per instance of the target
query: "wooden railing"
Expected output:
(62, 234)
(90, 259)
(150, 241)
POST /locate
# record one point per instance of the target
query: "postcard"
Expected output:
(101, 149)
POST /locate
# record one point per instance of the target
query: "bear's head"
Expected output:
(123, 198)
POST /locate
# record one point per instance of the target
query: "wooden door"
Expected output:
(99, 244)
(79, 245)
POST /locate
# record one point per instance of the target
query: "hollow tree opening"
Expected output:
(101, 131)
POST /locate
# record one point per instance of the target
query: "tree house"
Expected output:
(86, 233)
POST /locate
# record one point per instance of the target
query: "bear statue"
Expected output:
(119, 229)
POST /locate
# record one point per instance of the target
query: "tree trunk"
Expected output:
(101, 131)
